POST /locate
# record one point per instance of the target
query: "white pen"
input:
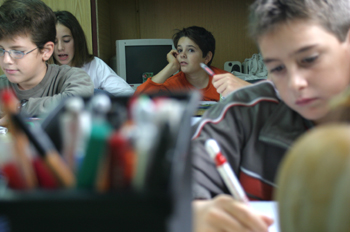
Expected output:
(225, 171)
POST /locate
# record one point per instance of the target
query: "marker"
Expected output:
(225, 171)
(211, 73)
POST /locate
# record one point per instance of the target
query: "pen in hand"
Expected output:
(225, 171)
(210, 73)
(207, 69)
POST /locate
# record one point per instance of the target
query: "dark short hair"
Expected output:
(32, 18)
(203, 38)
(81, 51)
(332, 15)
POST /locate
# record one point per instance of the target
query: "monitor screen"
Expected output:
(141, 58)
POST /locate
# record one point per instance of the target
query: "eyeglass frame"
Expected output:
(11, 51)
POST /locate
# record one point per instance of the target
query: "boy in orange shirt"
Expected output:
(194, 45)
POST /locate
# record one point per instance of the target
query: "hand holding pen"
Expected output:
(223, 213)
(225, 83)
(231, 214)
(225, 171)
(210, 73)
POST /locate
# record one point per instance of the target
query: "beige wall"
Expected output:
(133, 19)
(81, 9)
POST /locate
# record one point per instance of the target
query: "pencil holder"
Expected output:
(164, 204)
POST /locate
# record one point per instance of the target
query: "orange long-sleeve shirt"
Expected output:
(178, 82)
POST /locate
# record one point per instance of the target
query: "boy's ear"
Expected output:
(47, 51)
(208, 57)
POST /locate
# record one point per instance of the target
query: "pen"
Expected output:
(225, 171)
(207, 69)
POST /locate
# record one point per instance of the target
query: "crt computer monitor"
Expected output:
(137, 59)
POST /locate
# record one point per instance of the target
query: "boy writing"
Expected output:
(306, 48)
(27, 35)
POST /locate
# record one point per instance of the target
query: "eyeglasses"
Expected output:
(14, 53)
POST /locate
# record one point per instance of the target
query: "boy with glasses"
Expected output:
(27, 35)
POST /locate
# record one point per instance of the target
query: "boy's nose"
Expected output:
(7, 58)
(297, 80)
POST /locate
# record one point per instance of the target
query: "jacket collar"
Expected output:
(284, 126)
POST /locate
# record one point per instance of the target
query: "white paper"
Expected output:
(194, 120)
(268, 208)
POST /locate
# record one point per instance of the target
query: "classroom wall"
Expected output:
(81, 9)
(133, 19)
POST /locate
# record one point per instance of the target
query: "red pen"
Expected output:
(225, 171)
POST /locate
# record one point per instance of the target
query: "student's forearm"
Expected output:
(166, 72)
